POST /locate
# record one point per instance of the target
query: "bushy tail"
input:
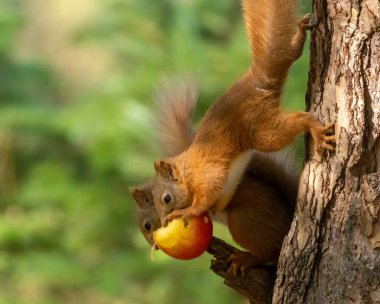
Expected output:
(278, 169)
(175, 99)
(270, 25)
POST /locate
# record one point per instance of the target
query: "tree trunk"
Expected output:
(332, 252)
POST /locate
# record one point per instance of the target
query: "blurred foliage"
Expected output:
(69, 147)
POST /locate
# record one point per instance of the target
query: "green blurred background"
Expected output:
(76, 80)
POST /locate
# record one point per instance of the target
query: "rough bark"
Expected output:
(332, 252)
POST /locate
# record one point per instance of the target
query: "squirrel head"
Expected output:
(147, 216)
(169, 188)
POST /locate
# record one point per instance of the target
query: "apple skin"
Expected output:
(185, 243)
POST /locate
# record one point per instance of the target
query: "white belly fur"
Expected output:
(233, 179)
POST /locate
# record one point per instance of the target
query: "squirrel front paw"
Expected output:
(322, 141)
(241, 261)
(184, 213)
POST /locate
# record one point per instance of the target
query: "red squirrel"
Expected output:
(260, 212)
(246, 117)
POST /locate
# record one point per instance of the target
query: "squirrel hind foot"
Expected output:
(240, 262)
(304, 23)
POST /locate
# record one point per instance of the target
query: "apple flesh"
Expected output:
(185, 243)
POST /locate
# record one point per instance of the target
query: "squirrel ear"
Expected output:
(163, 168)
(139, 195)
(167, 170)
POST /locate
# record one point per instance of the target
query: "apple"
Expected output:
(185, 243)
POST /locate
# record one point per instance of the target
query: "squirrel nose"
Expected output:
(164, 221)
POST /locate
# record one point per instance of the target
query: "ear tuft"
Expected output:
(163, 168)
(139, 195)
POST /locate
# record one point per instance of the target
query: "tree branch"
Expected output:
(256, 284)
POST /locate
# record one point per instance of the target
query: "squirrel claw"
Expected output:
(323, 141)
(304, 23)
(184, 213)
(233, 270)
(185, 220)
(240, 262)
(173, 215)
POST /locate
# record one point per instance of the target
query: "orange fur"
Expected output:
(260, 211)
(247, 116)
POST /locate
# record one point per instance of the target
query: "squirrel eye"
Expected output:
(167, 198)
(147, 226)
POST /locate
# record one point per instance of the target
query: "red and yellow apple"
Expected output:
(185, 243)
